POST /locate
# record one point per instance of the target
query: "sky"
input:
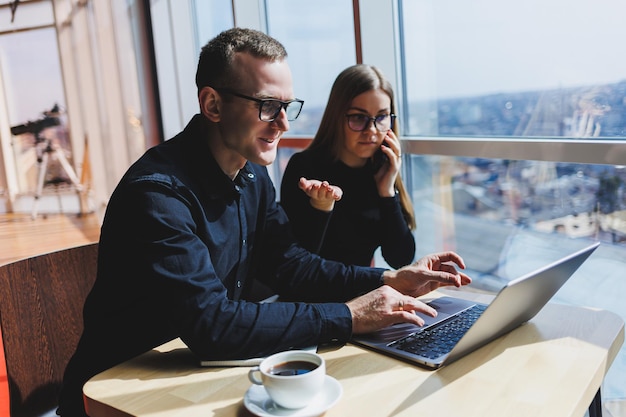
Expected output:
(489, 46)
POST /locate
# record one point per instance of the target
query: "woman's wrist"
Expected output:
(387, 193)
(322, 205)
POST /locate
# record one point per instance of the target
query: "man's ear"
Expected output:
(210, 103)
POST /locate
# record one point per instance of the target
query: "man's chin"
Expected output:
(265, 159)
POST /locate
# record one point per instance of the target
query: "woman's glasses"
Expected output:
(269, 108)
(360, 122)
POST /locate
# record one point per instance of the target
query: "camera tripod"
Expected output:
(44, 149)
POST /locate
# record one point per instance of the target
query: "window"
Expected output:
(531, 69)
(180, 30)
(33, 88)
(211, 17)
(319, 38)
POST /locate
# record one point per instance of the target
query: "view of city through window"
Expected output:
(509, 71)
(597, 111)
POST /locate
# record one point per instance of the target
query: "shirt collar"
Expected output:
(216, 182)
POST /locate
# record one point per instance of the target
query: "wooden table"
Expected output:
(552, 366)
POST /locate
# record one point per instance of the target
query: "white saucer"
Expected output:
(259, 403)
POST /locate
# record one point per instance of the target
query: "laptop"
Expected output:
(462, 326)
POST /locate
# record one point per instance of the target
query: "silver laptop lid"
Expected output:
(519, 301)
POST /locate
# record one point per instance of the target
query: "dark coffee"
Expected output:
(292, 368)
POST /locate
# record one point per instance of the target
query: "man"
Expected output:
(194, 224)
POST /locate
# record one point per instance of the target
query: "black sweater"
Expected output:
(359, 223)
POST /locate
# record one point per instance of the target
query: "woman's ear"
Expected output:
(210, 103)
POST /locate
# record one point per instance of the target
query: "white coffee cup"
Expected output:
(291, 378)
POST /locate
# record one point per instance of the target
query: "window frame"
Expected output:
(609, 152)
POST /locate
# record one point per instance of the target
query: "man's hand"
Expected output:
(427, 274)
(383, 307)
(322, 194)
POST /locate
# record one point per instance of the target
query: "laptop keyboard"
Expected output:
(440, 338)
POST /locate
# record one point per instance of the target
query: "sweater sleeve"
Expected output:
(398, 244)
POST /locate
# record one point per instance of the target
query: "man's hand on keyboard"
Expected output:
(383, 307)
(428, 273)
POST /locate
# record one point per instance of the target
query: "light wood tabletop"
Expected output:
(552, 366)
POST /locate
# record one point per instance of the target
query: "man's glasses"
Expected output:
(360, 122)
(269, 108)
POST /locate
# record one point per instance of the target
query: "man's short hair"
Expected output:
(216, 57)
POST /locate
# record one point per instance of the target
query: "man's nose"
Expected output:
(281, 121)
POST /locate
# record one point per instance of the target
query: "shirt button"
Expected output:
(237, 188)
(238, 284)
(243, 242)
(250, 175)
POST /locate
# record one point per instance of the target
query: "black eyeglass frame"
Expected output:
(261, 101)
(371, 119)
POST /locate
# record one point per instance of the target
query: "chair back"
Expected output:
(41, 302)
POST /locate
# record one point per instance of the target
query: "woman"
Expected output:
(343, 194)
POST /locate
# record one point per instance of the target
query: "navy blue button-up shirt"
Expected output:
(181, 247)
